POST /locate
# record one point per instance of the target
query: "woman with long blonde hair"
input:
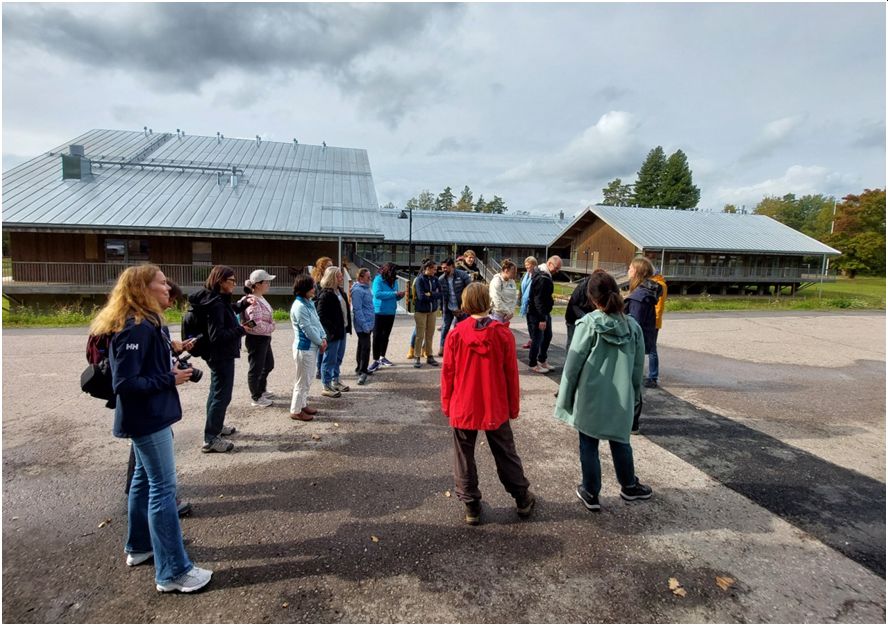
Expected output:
(144, 380)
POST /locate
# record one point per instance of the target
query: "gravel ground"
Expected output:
(765, 447)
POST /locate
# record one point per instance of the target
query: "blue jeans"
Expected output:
(590, 464)
(654, 359)
(332, 360)
(539, 339)
(221, 384)
(449, 317)
(153, 519)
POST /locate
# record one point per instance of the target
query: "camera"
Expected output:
(183, 364)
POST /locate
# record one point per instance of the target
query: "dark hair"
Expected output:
(507, 264)
(428, 264)
(247, 289)
(302, 285)
(447, 261)
(389, 273)
(218, 275)
(175, 292)
(603, 292)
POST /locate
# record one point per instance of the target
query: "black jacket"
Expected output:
(460, 281)
(641, 305)
(330, 313)
(142, 378)
(423, 285)
(224, 333)
(541, 290)
(473, 270)
(579, 304)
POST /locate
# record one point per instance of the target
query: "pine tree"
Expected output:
(445, 200)
(497, 206)
(480, 206)
(617, 194)
(425, 201)
(465, 201)
(676, 188)
(647, 185)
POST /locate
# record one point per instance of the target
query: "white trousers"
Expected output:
(306, 365)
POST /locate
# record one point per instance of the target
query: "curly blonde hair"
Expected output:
(320, 267)
(129, 298)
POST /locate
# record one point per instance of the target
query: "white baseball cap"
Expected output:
(259, 276)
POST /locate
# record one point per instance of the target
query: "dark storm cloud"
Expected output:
(180, 47)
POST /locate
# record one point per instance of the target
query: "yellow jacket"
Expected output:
(661, 303)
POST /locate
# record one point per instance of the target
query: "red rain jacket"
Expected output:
(479, 376)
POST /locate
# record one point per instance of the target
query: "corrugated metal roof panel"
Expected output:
(699, 230)
(470, 228)
(283, 188)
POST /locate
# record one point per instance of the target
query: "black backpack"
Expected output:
(194, 324)
(96, 378)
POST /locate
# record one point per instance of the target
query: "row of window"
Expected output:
(134, 250)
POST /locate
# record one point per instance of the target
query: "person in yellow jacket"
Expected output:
(653, 357)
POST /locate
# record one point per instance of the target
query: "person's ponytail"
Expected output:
(602, 290)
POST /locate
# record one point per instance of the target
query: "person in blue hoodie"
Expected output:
(364, 320)
(309, 340)
(144, 381)
(385, 305)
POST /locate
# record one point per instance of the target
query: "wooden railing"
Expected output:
(97, 274)
(741, 273)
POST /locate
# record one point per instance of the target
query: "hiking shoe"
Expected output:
(183, 509)
(524, 506)
(441, 352)
(473, 512)
(192, 580)
(262, 402)
(650, 383)
(137, 558)
(410, 353)
(309, 411)
(302, 416)
(636, 492)
(431, 361)
(227, 431)
(637, 431)
(385, 362)
(362, 379)
(218, 445)
(373, 367)
(589, 501)
(338, 386)
(416, 363)
(267, 394)
(330, 392)
(539, 369)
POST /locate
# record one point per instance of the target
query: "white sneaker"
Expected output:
(262, 402)
(545, 365)
(267, 394)
(137, 558)
(192, 580)
(539, 369)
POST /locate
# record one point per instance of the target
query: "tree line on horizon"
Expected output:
(446, 201)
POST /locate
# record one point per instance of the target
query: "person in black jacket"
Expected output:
(335, 315)
(144, 380)
(539, 314)
(641, 305)
(427, 299)
(453, 281)
(578, 305)
(223, 347)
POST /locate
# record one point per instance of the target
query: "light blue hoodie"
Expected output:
(362, 305)
(307, 328)
(385, 297)
(525, 291)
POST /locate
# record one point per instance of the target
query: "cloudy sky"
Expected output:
(540, 104)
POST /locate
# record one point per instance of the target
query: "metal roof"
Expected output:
(669, 229)
(284, 188)
(470, 228)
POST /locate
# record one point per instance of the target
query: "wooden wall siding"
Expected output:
(611, 246)
(51, 248)
(275, 252)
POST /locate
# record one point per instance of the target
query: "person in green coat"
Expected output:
(600, 388)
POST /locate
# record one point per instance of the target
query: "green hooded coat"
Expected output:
(601, 381)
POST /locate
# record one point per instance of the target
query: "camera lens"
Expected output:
(196, 375)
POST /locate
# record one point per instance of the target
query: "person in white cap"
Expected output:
(259, 324)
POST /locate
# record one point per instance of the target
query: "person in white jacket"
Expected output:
(309, 341)
(259, 324)
(504, 292)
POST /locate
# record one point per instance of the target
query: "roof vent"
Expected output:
(75, 150)
(295, 141)
(218, 137)
(233, 178)
(324, 143)
(145, 130)
(258, 140)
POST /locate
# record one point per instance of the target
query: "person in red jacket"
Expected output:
(479, 391)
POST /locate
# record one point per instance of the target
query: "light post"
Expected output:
(409, 216)
(586, 252)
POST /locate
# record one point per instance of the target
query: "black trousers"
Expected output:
(261, 360)
(381, 332)
(363, 353)
(508, 463)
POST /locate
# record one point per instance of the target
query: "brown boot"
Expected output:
(302, 417)
(309, 411)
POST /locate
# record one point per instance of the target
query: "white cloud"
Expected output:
(798, 179)
(775, 134)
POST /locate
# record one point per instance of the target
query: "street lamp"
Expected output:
(404, 216)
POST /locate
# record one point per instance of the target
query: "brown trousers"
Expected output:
(508, 464)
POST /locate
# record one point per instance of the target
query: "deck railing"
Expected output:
(98, 274)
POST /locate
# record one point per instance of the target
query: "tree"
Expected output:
(811, 214)
(412, 204)
(480, 206)
(729, 208)
(676, 187)
(497, 206)
(425, 201)
(445, 200)
(647, 185)
(465, 201)
(617, 194)
(860, 233)
(388, 205)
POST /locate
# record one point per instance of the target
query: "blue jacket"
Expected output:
(307, 329)
(142, 378)
(525, 292)
(385, 297)
(362, 307)
(423, 285)
(460, 280)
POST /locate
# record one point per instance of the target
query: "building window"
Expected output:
(201, 253)
(115, 251)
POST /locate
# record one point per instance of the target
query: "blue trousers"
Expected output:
(590, 464)
(449, 317)
(654, 359)
(332, 360)
(153, 519)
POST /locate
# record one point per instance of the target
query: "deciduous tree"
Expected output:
(617, 194)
